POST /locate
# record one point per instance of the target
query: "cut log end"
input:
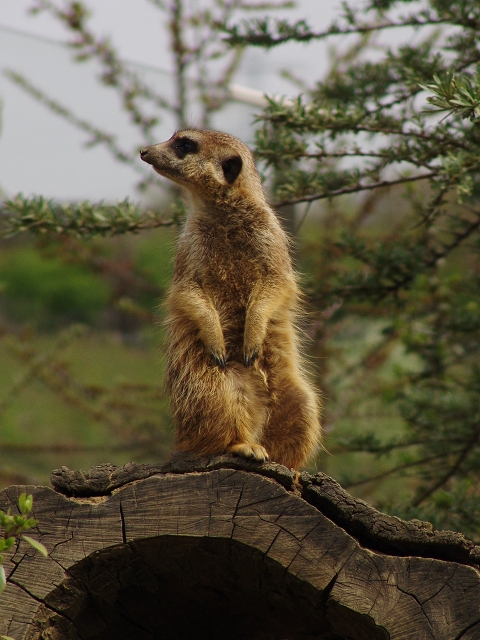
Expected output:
(225, 548)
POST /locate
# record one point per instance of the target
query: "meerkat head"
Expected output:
(208, 163)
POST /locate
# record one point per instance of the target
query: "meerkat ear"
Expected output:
(231, 168)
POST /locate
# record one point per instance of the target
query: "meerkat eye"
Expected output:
(184, 146)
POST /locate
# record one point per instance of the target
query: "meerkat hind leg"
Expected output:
(293, 432)
(250, 418)
(229, 418)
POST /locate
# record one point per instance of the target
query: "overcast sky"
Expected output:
(40, 153)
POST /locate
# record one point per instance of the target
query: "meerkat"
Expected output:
(234, 372)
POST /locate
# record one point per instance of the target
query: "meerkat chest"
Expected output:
(233, 259)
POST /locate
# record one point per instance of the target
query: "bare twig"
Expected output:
(355, 189)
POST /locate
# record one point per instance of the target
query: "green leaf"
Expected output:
(3, 580)
(22, 503)
(37, 545)
(28, 524)
(9, 542)
(29, 503)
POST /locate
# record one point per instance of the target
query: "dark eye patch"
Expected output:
(184, 146)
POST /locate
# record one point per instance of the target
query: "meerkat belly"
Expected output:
(230, 275)
(230, 294)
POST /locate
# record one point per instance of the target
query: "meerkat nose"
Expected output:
(147, 156)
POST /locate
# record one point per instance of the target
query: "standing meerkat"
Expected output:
(234, 372)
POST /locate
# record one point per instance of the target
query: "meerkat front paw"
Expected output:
(250, 354)
(220, 358)
(251, 450)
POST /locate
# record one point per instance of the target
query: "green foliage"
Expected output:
(48, 291)
(266, 32)
(456, 509)
(154, 259)
(458, 95)
(14, 527)
(82, 220)
(104, 381)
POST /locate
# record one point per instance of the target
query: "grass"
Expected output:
(40, 416)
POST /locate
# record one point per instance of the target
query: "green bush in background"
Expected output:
(47, 292)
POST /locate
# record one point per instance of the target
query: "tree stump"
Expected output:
(223, 548)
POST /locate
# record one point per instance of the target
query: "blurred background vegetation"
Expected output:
(374, 170)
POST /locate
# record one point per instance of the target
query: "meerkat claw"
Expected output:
(249, 360)
(220, 360)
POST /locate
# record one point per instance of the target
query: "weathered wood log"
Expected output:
(225, 548)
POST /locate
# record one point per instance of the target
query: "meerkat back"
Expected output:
(234, 372)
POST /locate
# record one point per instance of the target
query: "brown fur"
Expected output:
(234, 372)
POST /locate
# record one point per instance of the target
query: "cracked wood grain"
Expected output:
(210, 549)
(375, 530)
